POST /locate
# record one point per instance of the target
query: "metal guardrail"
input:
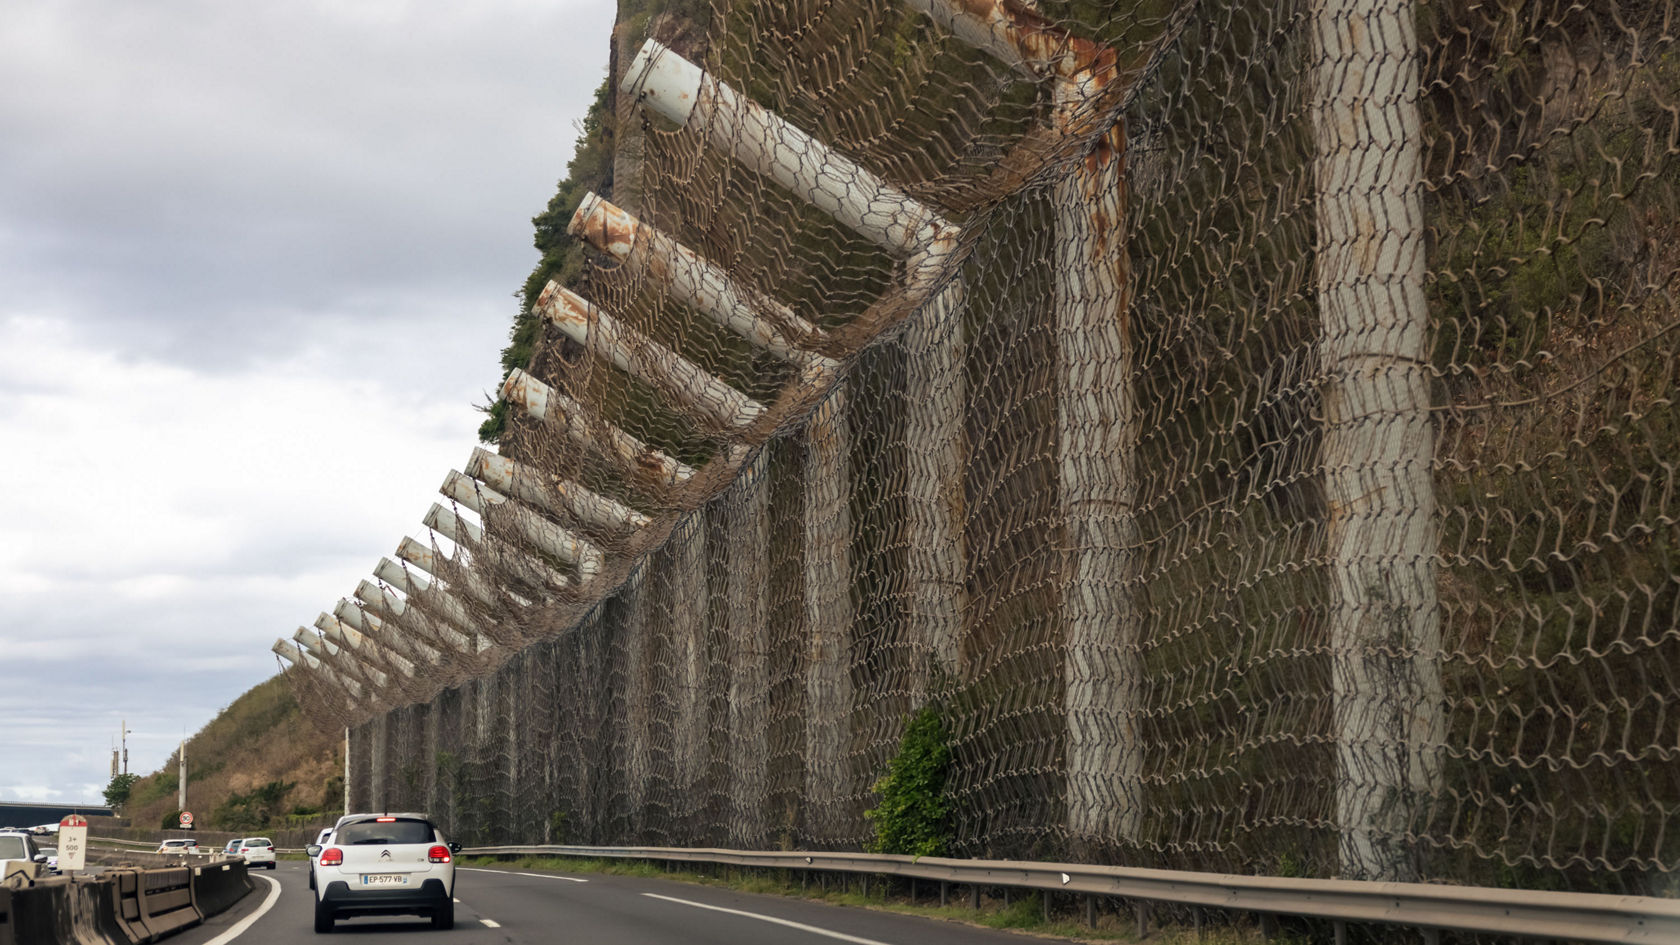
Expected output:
(1582, 917)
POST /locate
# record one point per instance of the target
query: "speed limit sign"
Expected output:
(186, 819)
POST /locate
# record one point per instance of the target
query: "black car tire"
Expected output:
(311, 879)
(444, 917)
(272, 865)
(323, 917)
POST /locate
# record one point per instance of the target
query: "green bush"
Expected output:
(914, 815)
(116, 793)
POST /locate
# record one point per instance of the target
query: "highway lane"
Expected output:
(526, 908)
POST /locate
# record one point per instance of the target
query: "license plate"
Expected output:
(384, 879)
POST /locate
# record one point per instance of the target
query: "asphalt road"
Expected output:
(495, 906)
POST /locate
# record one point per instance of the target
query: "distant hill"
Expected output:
(257, 766)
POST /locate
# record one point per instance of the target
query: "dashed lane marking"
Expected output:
(569, 879)
(814, 930)
(491, 923)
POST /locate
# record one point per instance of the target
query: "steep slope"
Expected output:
(258, 765)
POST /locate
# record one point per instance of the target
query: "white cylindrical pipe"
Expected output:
(300, 657)
(350, 653)
(421, 555)
(698, 282)
(632, 456)
(769, 145)
(546, 536)
(419, 591)
(408, 655)
(709, 401)
(436, 632)
(291, 653)
(532, 487)
(368, 650)
(451, 526)
(1381, 535)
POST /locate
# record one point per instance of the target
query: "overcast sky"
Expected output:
(256, 268)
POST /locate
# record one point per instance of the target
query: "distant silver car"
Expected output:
(187, 845)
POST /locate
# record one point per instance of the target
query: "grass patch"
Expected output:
(1023, 913)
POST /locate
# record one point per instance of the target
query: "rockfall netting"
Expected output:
(1250, 425)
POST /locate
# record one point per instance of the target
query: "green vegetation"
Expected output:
(117, 792)
(1022, 911)
(914, 815)
(255, 810)
(259, 765)
(562, 254)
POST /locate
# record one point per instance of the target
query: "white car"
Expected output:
(178, 846)
(320, 841)
(257, 851)
(385, 864)
(18, 854)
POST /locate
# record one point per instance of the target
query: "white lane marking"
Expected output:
(842, 936)
(245, 923)
(491, 923)
(569, 879)
(457, 900)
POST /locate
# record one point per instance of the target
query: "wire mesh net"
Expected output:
(1262, 461)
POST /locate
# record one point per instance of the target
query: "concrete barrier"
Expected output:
(120, 907)
(8, 929)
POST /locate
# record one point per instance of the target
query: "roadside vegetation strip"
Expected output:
(1021, 912)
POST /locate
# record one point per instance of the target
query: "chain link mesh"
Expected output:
(1278, 478)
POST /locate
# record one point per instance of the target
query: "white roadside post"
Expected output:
(72, 844)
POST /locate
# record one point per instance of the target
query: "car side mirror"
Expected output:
(454, 847)
(314, 849)
(40, 858)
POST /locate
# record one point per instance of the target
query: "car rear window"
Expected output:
(259, 842)
(390, 831)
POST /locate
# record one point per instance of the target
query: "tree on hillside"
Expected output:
(116, 793)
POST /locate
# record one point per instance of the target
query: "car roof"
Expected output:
(411, 815)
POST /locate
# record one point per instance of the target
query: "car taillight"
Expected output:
(244, 849)
(333, 856)
(438, 854)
